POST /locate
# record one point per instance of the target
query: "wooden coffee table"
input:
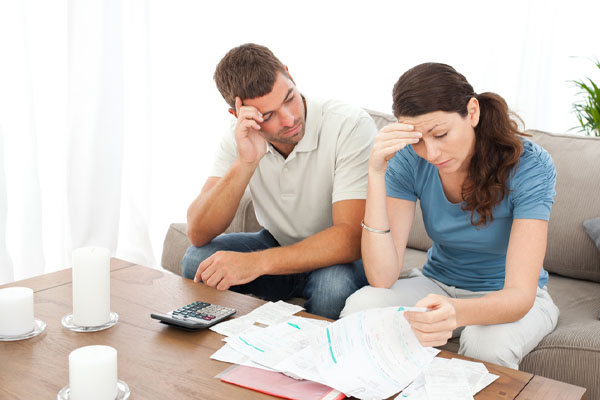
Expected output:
(161, 362)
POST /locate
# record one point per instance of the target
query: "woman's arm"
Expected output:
(383, 253)
(524, 259)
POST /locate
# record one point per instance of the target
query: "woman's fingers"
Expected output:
(388, 141)
(435, 327)
(397, 126)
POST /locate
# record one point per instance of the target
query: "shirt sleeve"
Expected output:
(226, 154)
(533, 186)
(352, 161)
(400, 175)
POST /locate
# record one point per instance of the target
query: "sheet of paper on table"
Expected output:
(267, 314)
(369, 355)
(448, 379)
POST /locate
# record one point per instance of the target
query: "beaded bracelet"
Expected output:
(362, 223)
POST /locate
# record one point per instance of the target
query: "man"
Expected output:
(305, 163)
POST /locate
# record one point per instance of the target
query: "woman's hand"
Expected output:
(389, 140)
(435, 327)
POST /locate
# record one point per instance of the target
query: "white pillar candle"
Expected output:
(91, 286)
(16, 311)
(93, 373)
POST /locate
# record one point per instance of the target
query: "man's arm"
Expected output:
(337, 244)
(213, 210)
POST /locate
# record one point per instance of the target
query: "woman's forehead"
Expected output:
(427, 122)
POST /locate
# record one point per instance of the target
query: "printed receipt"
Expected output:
(371, 354)
(267, 314)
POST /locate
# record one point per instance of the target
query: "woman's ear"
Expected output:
(232, 112)
(473, 111)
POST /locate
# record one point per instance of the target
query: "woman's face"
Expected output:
(448, 139)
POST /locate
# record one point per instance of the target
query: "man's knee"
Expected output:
(193, 257)
(328, 288)
(491, 343)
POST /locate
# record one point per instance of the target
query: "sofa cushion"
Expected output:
(571, 353)
(577, 160)
(592, 228)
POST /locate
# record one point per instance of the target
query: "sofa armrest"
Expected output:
(176, 242)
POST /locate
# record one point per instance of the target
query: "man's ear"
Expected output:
(232, 112)
(288, 74)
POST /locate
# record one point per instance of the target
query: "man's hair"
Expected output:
(247, 71)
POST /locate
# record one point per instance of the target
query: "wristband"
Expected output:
(362, 223)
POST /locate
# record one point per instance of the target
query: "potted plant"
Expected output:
(588, 111)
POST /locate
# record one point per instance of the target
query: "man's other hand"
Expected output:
(228, 268)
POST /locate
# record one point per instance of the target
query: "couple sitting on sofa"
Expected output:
(485, 191)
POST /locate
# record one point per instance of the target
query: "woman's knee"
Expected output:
(366, 298)
(491, 343)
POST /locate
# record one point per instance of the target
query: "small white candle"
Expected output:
(91, 286)
(16, 311)
(93, 373)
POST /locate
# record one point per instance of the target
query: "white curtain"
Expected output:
(109, 115)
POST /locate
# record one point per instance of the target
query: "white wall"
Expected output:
(157, 58)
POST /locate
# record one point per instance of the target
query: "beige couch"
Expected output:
(572, 352)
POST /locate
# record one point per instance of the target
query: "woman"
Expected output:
(486, 194)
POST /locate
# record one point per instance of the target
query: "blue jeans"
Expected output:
(325, 289)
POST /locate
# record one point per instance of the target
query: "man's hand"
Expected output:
(228, 268)
(433, 328)
(251, 145)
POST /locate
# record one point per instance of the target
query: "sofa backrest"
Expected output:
(570, 251)
(577, 159)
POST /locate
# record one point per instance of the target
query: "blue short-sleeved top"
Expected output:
(462, 255)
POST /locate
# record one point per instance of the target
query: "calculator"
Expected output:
(194, 316)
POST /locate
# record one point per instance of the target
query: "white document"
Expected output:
(371, 354)
(272, 345)
(274, 313)
(229, 355)
(476, 374)
(442, 382)
(267, 314)
(233, 326)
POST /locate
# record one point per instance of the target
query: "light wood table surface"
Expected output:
(161, 362)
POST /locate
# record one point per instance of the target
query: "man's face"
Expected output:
(283, 114)
(448, 140)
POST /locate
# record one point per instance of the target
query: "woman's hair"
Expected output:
(433, 87)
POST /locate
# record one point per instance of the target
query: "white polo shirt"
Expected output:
(292, 196)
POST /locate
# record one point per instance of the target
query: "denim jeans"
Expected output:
(325, 289)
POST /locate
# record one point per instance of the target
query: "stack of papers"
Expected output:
(372, 354)
(454, 379)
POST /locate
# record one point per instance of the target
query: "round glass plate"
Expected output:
(67, 322)
(39, 327)
(122, 392)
